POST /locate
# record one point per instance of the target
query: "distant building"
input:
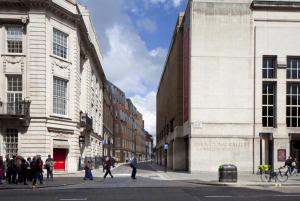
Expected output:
(230, 87)
(129, 137)
(108, 121)
(51, 78)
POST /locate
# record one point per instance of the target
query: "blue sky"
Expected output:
(135, 36)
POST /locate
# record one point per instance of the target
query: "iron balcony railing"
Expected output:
(20, 108)
(86, 121)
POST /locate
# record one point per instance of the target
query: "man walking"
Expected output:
(133, 165)
(107, 166)
(49, 167)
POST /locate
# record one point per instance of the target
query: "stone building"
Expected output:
(232, 73)
(51, 99)
(149, 146)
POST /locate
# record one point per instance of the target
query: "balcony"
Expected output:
(86, 121)
(20, 109)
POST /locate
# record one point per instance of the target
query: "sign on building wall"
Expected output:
(281, 155)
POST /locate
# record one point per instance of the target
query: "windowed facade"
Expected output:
(293, 105)
(11, 142)
(14, 39)
(60, 96)
(60, 43)
(14, 93)
(268, 70)
(293, 68)
(268, 104)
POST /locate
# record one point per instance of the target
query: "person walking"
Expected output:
(294, 167)
(28, 171)
(49, 167)
(133, 165)
(107, 166)
(14, 170)
(88, 171)
(2, 169)
(288, 164)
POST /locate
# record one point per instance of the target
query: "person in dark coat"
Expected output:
(133, 165)
(88, 171)
(8, 163)
(107, 166)
(2, 169)
(23, 172)
(37, 169)
(288, 164)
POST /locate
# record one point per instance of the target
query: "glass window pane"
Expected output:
(270, 100)
(265, 102)
(270, 111)
(264, 121)
(264, 111)
(270, 122)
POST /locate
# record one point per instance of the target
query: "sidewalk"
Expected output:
(211, 178)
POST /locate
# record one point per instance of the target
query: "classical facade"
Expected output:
(240, 86)
(51, 78)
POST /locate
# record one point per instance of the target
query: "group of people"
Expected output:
(108, 163)
(19, 170)
(291, 164)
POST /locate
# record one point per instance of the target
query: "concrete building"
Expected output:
(149, 146)
(51, 99)
(229, 89)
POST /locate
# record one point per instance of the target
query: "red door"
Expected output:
(59, 157)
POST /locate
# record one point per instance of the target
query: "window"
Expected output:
(292, 105)
(60, 96)
(60, 43)
(14, 39)
(11, 142)
(268, 105)
(268, 69)
(293, 68)
(14, 94)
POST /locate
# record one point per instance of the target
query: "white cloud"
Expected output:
(147, 106)
(129, 64)
(147, 25)
(175, 3)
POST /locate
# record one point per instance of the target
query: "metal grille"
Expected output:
(11, 142)
(14, 39)
(60, 43)
(60, 96)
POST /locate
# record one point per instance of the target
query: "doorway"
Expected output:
(266, 149)
(59, 157)
(295, 151)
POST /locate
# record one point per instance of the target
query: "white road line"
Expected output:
(218, 196)
(287, 195)
(73, 199)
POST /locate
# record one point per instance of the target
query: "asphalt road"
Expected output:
(207, 193)
(148, 187)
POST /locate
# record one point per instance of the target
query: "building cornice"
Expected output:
(275, 5)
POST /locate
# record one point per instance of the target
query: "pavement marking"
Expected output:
(287, 195)
(218, 196)
(73, 199)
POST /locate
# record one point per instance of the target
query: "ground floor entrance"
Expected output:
(295, 149)
(59, 157)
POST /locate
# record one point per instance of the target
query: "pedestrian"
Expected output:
(288, 164)
(14, 170)
(294, 167)
(2, 169)
(49, 167)
(23, 172)
(133, 165)
(28, 171)
(88, 171)
(37, 168)
(107, 166)
(8, 164)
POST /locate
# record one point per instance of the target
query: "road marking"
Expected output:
(73, 199)
(196, 198)
(218, 196)
(287, 195)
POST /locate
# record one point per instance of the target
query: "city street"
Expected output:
(150, 185)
